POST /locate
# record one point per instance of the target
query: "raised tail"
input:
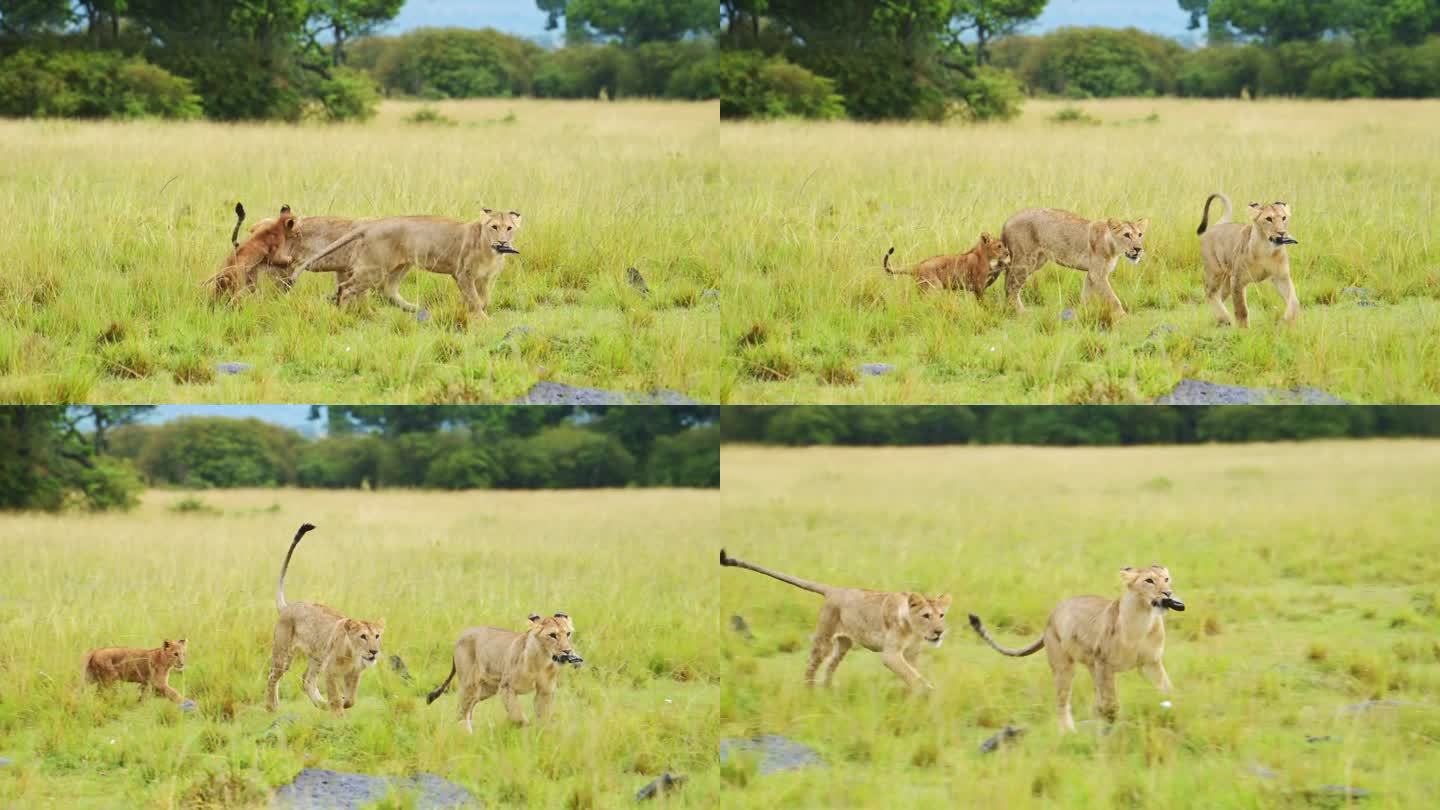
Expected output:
(280, 589)
(980, 628)
(886, 264)
(239, 219)
(815, 587)
(1205, 217)
(440, 690)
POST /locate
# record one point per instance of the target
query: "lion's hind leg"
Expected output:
(281, 651)
(824, 641)
(471, 694)
(842, 647)
(312, 671)
(392, 290)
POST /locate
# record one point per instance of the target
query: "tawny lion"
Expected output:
(472, 253)
(974, 270)
(490, 660)
(149, 668)
(1039, 235)
(269, 244)
(1237, 256)
(894, 624)
(339, 649)
(1108, 636)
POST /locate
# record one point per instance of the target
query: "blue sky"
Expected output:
(292, 416)
(522, 18)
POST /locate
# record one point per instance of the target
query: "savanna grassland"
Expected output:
(816, 205)
(645, 702)
(1308, 570)
(110, 228)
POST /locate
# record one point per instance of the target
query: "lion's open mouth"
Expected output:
(502, 247)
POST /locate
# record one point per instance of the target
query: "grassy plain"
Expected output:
(431, 564)
(814, 206)
(1308, 570)
(110, 227)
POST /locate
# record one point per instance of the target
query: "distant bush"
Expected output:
(992, 95)
(753, 85)
(98, 84)
(449, 63)
(684, 459)
(348, 95)
(1093, 62)
(429, 115)
(1073, 115)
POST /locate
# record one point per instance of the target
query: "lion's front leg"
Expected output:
(512, 704)
(543, 701)
(334, 691)
(1286, 288)
(352, 688)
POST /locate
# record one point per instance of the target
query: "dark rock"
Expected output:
(876, 369)
(397, 665)
(662, 784)
(776, 753)
(1199, 392)
(1343, 792)
(232, 368)
(737, 623)
(318, 789)
(553, 393)
(1313, 739)
(1067, 314)
(1002, 737)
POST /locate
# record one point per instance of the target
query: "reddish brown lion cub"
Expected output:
(269, 244)
(149, 668)
(974, 270)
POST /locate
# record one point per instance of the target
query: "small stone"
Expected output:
(777, 753)
(233, 368)
(423, 316)
(876, 369)
(6, 761)
(737, 623)
(1356, 292)
(637, 281)
(517, 332)
(1160, 331)
(188, 706)
(1339, 792)
(1067, 314)
(662, 784)
(1314, 739)
(1262, 771)
(1002, 737)
(1199, 392)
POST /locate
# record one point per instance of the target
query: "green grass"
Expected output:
(430, 564)
(1308, 570)
(814, 206)
(110, 228)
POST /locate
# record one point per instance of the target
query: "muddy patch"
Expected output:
(1199, 392)
(318, 789)
(553, 393)
(776, 753)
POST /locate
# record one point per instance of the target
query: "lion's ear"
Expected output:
(291, 223)
(516, 215)
(1142, 224)
(1254, 211)
(180, 643)
(1284, 206)
(379, 624)
(284, 209)
(1114, 224)
(915, 601)
(1129, 574)
(166, 644)
(943, 601)
(488, 211)
(534, 617)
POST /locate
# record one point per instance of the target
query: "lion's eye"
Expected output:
(1269, 219)
(1150, 580)
(554, 635)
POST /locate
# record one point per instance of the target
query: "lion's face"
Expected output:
(364, 639)
(1273, 221)
(927, 616)
(1130, 236)
(1152, 584)
(997, 252)
(500, 230)
(173, 653)
(555, 634)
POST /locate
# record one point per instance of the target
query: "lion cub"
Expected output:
(490, 660)
(974, 270)
(895, 625)
(1237, 256)
(1108, 636)
(1039, 235)
(268, 244)
(339, 649)
(149, 668)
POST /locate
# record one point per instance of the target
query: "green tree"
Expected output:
(45, 463)
(990, 19)
(345, 20)
(632, 22)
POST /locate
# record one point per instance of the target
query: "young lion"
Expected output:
(1108, 636)
(893, 624)
(473, 253)
(312, 235)
(340, 649)
(149, 668)
(267, 245)
(1039, 235)
(974, 270)
(1237, 256)
(490, 660)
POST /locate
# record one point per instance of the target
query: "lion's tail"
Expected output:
(980, 628)
(727, 560)
(239, 220)
(280, 589)
(1205, 218)
(90, 667)
(440, 690)
(354, 234)
(886, 264)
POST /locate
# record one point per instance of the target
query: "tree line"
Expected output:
(937, 59)
(314, 59)
(102, 457)
(1069, 425)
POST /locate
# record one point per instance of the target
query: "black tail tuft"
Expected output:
(726, 559)
(975, 622)
(304, 527)
(886, 261)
